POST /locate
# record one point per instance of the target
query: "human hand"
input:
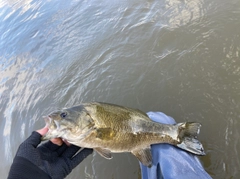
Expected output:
(54, 157)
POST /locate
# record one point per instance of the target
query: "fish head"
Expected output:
(68, 123)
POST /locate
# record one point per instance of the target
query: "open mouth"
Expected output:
(51, 124)
(47, 120)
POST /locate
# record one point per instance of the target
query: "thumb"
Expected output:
(42, 131)
(35, 138)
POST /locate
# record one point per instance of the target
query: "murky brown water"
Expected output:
(178, 57)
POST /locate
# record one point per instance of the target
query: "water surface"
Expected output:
(177, 57)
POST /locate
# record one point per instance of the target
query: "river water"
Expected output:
(180, 57)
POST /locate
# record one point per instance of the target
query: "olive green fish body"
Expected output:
(123, 129)
(111, 128)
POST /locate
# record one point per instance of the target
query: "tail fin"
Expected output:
(187, 134)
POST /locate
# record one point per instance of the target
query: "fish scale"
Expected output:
(109, 128)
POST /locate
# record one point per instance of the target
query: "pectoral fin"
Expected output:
(144, 156)
(104, 152)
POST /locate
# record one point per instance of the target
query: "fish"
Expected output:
(110, 128)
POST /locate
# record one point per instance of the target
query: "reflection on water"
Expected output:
(178, 57)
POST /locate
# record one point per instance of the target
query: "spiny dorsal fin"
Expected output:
(104, 152)
(144, 156)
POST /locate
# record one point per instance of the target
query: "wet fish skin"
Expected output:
(109, 128)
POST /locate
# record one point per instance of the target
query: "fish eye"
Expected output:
(63, 115)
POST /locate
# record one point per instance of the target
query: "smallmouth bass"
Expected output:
(109, 128)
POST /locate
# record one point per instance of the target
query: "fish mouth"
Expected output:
(51, 123)
(48, 120)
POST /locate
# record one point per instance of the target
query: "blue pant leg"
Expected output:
(170, 162)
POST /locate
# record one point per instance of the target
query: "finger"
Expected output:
(61, 149)
(66, 142)
(34, 139)
(42, 131)
(49, 147)
(80, 157)
(70, 151)
(57, 141)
